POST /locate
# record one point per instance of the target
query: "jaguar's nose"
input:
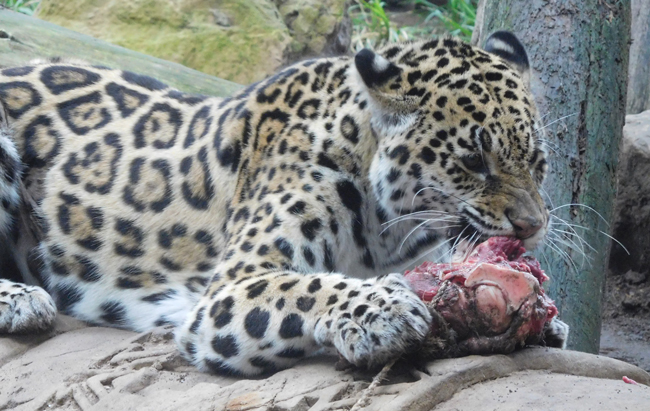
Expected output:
(525, 227)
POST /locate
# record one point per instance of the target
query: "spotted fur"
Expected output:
(258, 224)
(10, 171)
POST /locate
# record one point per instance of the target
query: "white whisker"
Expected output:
(399, 251)
(573, 246)
(548, 264)
(550, 200)
(416, 213)
(562, 254)
(456, 240)
(568, 224)
(547, 144)
(581, 205)
(571, 226)
(428, 251)
(615, 240)
(553, 122)
(471, 244)
(418, 218)
(441, 227)
(574, 234)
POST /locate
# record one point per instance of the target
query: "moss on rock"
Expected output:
(185, 31)
(317, 26)
(239, 40)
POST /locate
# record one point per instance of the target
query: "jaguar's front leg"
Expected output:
(270, 321)
(380, 319)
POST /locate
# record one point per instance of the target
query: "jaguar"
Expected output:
(267, 226)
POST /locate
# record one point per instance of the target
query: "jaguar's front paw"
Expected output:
(556, 333)
(25, 308)
(383, 320)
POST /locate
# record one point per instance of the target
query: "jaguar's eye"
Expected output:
(474, 162)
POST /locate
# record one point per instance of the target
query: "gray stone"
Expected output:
(530, 390)
(632, 207)
(635, 278)
(77, 367)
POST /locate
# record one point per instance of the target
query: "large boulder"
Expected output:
(79, 367)
(627, 309)
(632, 207)
(239, 40)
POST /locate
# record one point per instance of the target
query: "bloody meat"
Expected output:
(492, 302)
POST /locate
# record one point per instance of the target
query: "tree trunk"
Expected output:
(23, 38)
(579, 54)
(638, 88)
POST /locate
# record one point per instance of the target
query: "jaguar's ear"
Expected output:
(384, 83)
(507, 46)
(376, 71)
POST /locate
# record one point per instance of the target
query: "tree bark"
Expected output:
(579, 54)
(23, 38)
(638, 88)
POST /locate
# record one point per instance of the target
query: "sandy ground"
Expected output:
(93, 368)
(625, 334)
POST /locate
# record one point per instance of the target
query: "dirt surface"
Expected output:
(415, 21)
(625, 334)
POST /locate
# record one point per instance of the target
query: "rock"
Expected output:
(317, 27)
(221, 18)
(632, 205)
(99, 368)
(528, 390)
(634, 278)
(632, 301)
(239, 40)
(636, 298)
(638, 87)
(35, 39)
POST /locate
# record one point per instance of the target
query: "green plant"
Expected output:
(22, 6)
(373, 28)
(370, 22)
(459, 16)
(372, 25)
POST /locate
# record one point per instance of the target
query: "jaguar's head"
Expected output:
(459, 137)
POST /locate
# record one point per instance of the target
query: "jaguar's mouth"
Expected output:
(465, 236)
(465, 232)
